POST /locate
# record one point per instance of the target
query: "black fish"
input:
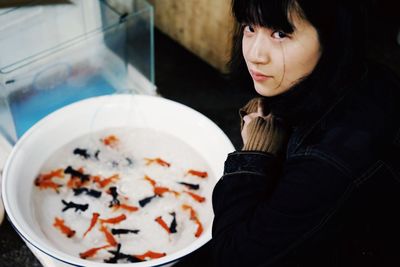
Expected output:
(82, 152)
(123, 231)
(130, 162)
(75, 173)
(114, 164)
(146, 201)
(96, 154)
(120, 256)
(172, 226)
(72, 205)
(116, 257)
(113, 192)
(190, 186)
(89, 192)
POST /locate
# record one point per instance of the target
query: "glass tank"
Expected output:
(54, 53)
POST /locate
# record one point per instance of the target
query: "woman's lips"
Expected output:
(258, 76)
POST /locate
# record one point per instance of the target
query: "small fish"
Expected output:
(110, 141)
(151, 181)
(193, 217)
(173, 225)
(92, 252)
(123, 231)
(162, 223)
(96, 154)
(81, 152)
(72, 205)
(158, 161)
(117, 255)
(159, 191)
(76, 173)
(190, 186)
(44, 181)
(47, 184)
(192, 212)
(198, 173)
(113, 192)
(59, 223)
(114, 164)
(199, 228)
(93, 222)
(120, 256)
(150, 255)
(146, 201)
(109, 237)
(126, 207)
(196, 197)
(114, 220)
(59, 173)
(106, 181)
(89, 192)
(129, 161)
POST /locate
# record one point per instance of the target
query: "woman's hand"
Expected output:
(261, 131)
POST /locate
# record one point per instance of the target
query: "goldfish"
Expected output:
(198, 173)
(92, 252)
(93, 222)
(158, 161)
(59, 223)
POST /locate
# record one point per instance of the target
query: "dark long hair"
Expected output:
(341, 27)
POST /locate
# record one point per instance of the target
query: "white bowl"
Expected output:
(94, 114)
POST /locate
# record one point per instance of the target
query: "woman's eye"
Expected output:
(249, 28)
(279, 34)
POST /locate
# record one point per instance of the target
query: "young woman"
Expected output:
(317, 182)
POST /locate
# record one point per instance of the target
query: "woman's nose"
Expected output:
(260, 51)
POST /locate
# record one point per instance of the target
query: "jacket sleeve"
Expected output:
(257, 222)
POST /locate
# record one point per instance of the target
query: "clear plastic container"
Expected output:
(53, 55)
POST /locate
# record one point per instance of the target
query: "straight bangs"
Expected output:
(272, 14)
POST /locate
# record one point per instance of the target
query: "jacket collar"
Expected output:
(301, 132)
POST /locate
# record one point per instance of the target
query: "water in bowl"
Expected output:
(124, 195)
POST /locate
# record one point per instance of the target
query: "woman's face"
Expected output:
(277, 61)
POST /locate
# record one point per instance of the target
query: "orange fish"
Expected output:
(114, 220)
(56, 173)
(199, 228)
(75, 181)
(110, 140)
(196, 197)
(159, 191)
(192, 212)
(126, 207)
(198, 173)
(106, 181)
(150, 254)
(92, 222)
(162, 223)
(59, 223)
(92, 252)
(43, 181)
(158, 161)
(109, 237)
(46, 184)
(152, 182)
(193, 217)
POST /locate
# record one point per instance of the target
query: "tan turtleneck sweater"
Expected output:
(267, 134)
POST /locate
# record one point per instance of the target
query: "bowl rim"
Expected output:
(74, 260)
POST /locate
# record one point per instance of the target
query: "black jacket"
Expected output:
(332, 201)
